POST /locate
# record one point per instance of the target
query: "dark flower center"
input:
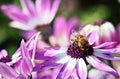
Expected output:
(5, 59)
(75, 51)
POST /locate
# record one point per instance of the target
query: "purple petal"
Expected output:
(28, 7)
(7, 72)
(68, 69)
(104, 45)
(26, 64)
(43, 6)
(52, 52)
(93, 37)
(82, 69)
(105, 56)
(3, 53)
(60, 55)
(40, 66)
(106, 51)
(14, 13)
(31, 44)
(40, 56)
(62, 60)
(46, 5)
(72, 22)
(24, 50)
(21, 77)
(38, 4)
(95, 62)
(60, 26)
(55, 7)
(28, 34)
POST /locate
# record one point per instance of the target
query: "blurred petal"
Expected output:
(108, 28)
(55, 7)
(82, 69)
(103, 45)
(19, 25)
(3, 53)
(60, 26)
(46, 5)
(93, 37)
(28, 7)
(43, 6)
(68, 69)
(105, 56)
(7, 72)
(38, 6)
(14, 13)
(72, 22)
(95, 62)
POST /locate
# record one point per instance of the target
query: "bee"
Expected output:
(81, 41)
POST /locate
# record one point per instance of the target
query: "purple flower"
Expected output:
(62, 31)
(81, 52)
(31, 46)
(32, 14)
(24, 66)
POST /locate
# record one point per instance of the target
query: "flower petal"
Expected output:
(25, 63)
(63, 60)
(52, 52)
(93, 37)
(7, 72)
(31, 46)
(3, 53)
(71, 23)
(19, 25)
(55, 7)
(67, 69)
(95, 62)
(60, 26)
(14, 13)
(105, 56)
(43, 6)
(104, 45)
(82, 69)
(28, 7)
(106, 51)
(40, 66)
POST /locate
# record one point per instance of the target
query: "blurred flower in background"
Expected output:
(32, 15)
(62, 30)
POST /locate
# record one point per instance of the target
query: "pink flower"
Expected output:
(42, 12)
(62, 30)
(81, 52)
(24, 66)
